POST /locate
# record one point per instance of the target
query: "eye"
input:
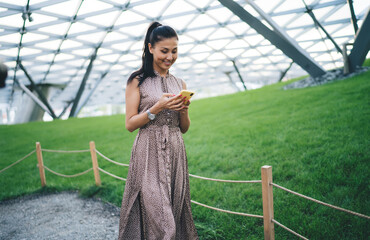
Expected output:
(164, 51)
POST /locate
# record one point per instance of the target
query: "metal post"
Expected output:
(277, 28)
(268, 204)
(353, 15)
(64, 109)
(90, 93)
(285, 72)
(41, 95)
(317, 23)
(231, 81)
(361, 46)
(31, 95)
(240, 77)
(82, 86)
(306, 62)
(346, 69)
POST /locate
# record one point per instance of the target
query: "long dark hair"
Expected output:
(155, 33)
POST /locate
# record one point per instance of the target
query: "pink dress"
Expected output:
(156, 200)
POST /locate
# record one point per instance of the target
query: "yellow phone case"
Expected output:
(186, 93)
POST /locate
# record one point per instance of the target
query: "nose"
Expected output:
(169, 56)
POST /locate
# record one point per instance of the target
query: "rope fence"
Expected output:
(18, 161)
(226, 211)
(68, 176)
(266, 182)
(64, 151)
(227, 181)
(288, 229)
(320, 202)
(110, 160)
(112, 175)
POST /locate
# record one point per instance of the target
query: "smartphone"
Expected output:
(186, 93)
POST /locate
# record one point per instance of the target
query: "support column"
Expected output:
(39, 92)
(31, 108)
(73, 112)
(303, 60)
(240, 76)
(361, 46)
(231, 81)
(353, 15)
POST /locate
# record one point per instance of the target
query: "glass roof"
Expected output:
(55, 39)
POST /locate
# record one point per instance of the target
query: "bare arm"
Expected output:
(134, 120)
(184, 115)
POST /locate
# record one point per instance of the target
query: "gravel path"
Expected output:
(58, 216)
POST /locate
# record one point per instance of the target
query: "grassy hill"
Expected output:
(316, 139)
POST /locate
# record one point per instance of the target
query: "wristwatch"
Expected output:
(151, 116)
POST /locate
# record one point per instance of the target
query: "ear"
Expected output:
(150, 48)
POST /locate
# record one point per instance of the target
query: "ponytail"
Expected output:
(155, 33)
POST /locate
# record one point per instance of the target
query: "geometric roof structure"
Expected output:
(55, 41)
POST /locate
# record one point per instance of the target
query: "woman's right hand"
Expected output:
(170, 101)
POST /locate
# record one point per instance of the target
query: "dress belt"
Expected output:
(164, 132)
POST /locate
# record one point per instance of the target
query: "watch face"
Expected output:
(151, 116)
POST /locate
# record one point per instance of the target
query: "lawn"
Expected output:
(316, 140)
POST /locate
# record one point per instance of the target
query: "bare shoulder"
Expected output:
(133, 85)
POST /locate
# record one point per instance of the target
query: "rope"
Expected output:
(221, 180)
(289, 230)
(227, 211)
(110, 174)
(20, 160)
(110, 160)
(64, 151)
(320, 202)
(67, 176)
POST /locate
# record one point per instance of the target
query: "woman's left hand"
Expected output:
(185, 106)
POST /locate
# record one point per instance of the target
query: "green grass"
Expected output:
(316, 139)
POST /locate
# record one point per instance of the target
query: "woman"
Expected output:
(156, 200)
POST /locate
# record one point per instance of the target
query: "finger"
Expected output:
(176, 100)
(176, 106)
(186, 102)
(179, 96)
(180, 104)
(167, 95)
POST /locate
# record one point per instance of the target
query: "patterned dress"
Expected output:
(156, 200)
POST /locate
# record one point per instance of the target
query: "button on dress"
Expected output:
(156, 200)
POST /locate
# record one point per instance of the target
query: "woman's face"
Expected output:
(164, 54)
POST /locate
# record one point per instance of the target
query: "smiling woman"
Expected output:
(164, 54)
(156, 200)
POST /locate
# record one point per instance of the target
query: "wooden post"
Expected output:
(41, 164)
(268, 205)
(95, 163)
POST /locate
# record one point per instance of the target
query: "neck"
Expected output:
(162, 73)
